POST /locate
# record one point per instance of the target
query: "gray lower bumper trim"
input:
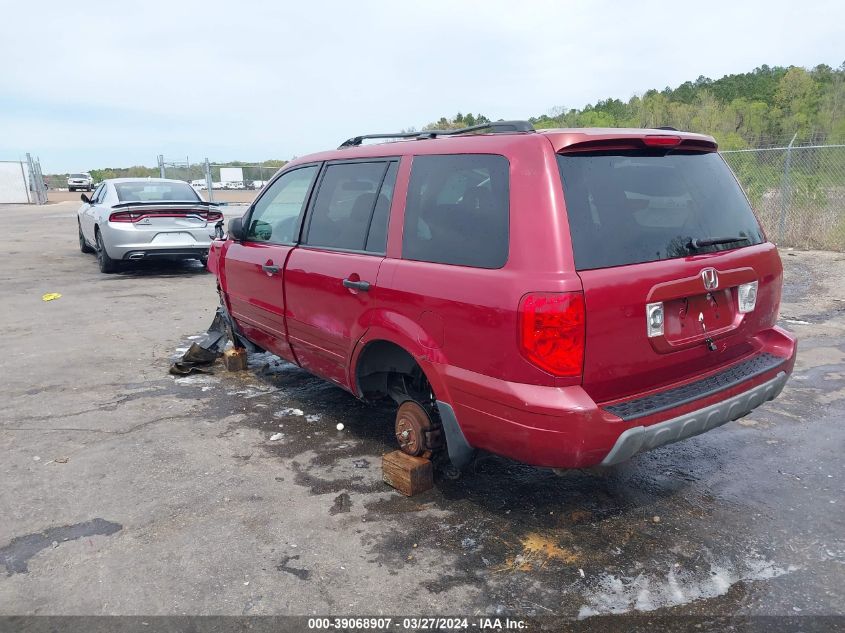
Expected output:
(643, 438)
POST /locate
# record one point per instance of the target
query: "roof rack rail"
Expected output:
(667, 127)
(496, 127)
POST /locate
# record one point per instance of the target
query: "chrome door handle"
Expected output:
(267, 268)
(356, 285)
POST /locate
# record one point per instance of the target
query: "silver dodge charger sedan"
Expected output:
(128, 219)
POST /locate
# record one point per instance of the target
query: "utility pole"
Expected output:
(208, 182)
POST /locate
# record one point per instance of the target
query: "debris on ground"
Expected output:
(50, 296)
(287, 411)
(276, 436)
(206, 350)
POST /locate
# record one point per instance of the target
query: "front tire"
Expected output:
(107, 264)
(71, 189)
(83, 244)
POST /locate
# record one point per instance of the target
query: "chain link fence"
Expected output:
(213, 177)
(21, 182)
(798, 192)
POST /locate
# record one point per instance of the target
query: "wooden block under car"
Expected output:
(409, 475)
(235, 359)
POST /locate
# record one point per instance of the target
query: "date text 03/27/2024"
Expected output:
(417, 624)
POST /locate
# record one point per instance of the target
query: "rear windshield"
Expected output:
(155, 191)
(79, 175)
(641, 206)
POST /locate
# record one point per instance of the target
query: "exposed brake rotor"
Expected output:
(416, 434)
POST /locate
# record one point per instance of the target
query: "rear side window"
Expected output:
(643, 206)
(377, 238)
(352, 206)
(457, 210)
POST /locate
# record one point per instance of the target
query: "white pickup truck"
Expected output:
(80, 182)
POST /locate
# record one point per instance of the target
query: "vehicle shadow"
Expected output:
(491, 483)
(162, 268)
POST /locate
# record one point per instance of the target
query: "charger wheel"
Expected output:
(414, 429)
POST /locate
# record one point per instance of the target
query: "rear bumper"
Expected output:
(562, 427)
(645, 438)
(126, 241)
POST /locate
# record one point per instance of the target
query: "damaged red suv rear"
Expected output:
(565, 298)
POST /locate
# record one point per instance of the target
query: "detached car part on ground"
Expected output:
(565, 298)
(130, 219)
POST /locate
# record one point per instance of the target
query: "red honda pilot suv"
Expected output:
(565, 298)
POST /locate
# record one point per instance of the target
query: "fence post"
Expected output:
(785, 189)
(31, 183)
(25, 183)
(208, 181)
(36, 179)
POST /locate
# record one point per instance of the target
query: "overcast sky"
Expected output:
(86, 85)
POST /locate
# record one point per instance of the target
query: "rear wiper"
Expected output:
(694, 244)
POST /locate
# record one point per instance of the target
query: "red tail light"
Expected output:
(551, 332)
(655, 140)
(125, 216)
(135, 216)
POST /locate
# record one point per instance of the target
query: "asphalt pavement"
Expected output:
(129, 491)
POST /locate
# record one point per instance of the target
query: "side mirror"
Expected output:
(236, 229)
(85, 199)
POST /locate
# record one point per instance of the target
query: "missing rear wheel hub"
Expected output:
(416, 433)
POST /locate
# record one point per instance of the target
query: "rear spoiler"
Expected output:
(634, 142)
(165, 204)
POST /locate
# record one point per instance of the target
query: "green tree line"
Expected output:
(761, 108)
(755, 109)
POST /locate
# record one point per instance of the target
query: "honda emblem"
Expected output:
(710, 278)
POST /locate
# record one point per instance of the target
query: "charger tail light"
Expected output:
(661, 140)
(125, 216)
(551, 331)
(747, 297)
(135, 216)
(654, 319)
